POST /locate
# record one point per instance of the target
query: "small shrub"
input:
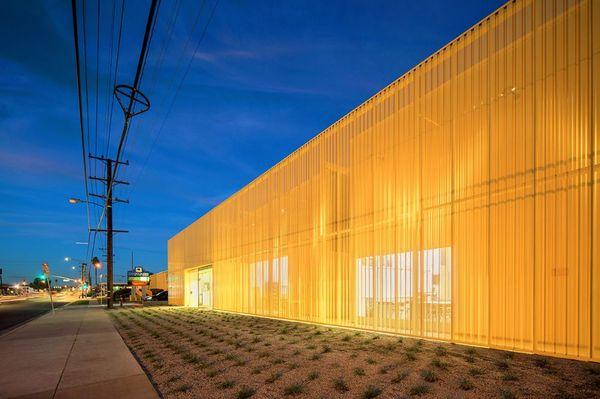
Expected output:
(471, 351)
(346, 338)
(439, 364)
(370, 360)
(190, 358)
(278, 361)
(410, 356)
(440, 351)
(469, 359)
(316, 356)
(507, 394)
(340, 385)
(183, 388)
(273, 377)
(419, 390)
(256, 370)
(371, 392)
(428, 375)
(326, 349)
(502, 364)
(293, 366)
(359, 371)
(385, 369)
(294, 389)
(211, 373)
(474, 371)
(226, 384)
(510, 377)
(313, 375)
(541, 362)
(245, 392)
(465, 384)
(399, 377)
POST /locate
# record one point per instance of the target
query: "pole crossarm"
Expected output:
(113, 199)
(106, 180)
(109, 231)
(104, 159)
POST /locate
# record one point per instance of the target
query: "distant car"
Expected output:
(161, 296)
(121, 293)
(153, 292)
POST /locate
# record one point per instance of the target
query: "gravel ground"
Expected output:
(191, 353)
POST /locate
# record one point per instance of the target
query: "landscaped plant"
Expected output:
(465, 384)
(294, 389)
(226, 384)
(428, 375)
(245, 392)
(418, 390)
(440, 351)
(400, 376)
(273, 377)
(371, 392)
(340, 385)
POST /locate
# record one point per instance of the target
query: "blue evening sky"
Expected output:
(268, 76)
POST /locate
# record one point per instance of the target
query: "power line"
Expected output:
(115, 75)
(162, 125)
(80, 106)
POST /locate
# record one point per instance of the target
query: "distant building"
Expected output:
(459, 203)
(159, 280)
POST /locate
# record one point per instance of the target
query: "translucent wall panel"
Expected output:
(460, 203)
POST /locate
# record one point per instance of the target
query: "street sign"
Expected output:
(138, 277)
(46, 270)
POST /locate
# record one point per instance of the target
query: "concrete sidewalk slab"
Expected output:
(75, 353)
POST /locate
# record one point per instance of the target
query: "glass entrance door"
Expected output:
(205, 287)
(191, 283)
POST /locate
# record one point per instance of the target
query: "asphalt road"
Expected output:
(17, 312)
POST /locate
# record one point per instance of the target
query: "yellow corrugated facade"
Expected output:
(460, 203)
(159, 280)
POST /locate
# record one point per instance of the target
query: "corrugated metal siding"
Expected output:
(159, 280)
(456, 204)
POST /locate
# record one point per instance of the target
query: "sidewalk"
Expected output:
(77, 353)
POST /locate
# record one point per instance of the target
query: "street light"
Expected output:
(77, 201)
(97, 265)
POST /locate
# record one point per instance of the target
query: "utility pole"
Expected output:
(109, 234)
(109, 180)
(83, 266)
